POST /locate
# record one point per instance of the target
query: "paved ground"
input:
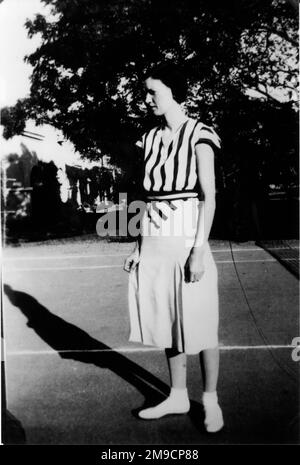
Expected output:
(285, 252)
(72, 377)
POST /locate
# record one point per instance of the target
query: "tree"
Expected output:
(86, 78)
(14, 119)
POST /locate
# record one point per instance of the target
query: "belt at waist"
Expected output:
(154, 207)
(171, 196)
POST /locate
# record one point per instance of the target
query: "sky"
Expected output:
(15, 83)
(14, 45)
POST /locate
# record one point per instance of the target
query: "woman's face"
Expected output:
(158, 96)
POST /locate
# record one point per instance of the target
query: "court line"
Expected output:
(96, 267)
(62, 268)
(62, 257)
(137, 350)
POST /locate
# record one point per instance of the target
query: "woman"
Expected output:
(173, 294)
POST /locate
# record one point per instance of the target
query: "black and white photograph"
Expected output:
(149, 225)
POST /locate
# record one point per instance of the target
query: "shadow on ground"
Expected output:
(72, 342)
(12, 429)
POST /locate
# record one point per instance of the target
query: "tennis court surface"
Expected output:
(71, 376)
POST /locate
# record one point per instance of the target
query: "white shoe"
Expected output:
(213, 418)
(167, 407)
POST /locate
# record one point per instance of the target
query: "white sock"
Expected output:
(177, 402)
(209, 398)
(178, 393)
(213, 413)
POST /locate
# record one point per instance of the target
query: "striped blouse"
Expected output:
(172, 169)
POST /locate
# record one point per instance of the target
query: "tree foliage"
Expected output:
(14, 119)
(240, 58)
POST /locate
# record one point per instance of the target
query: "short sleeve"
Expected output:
(207, 135)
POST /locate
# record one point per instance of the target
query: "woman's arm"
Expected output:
(133, 259)
(206, 176)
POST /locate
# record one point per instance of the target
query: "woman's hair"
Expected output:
(171, 75)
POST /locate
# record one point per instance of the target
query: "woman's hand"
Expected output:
(132, 260)
(194, 267)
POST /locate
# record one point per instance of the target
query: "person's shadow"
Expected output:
(74, 343)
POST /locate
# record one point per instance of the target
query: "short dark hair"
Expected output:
(172, 76)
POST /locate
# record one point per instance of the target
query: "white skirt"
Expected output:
(166, 311)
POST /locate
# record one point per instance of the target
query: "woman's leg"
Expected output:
(177, 368)
(178, 401)
(209, 361)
